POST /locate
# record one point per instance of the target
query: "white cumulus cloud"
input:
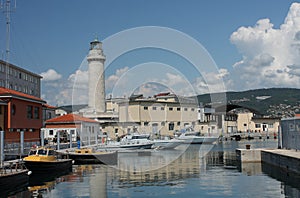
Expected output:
(270, 56)
(50, 75)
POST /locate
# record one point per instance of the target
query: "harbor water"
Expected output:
(196, 171)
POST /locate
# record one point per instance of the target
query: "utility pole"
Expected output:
(7, 11)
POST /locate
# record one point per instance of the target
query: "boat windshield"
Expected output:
(42, 152)
(32, 152)
(140, 137)
(192, 134)
(51, 152)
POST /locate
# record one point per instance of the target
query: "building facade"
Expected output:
(74, 126)
(20, 112)
(162, 115)
(290, 133)
(18, 79)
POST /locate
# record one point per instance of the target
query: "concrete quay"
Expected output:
(288, 160)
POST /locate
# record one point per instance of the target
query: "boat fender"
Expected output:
(73, 161)
(29, 172)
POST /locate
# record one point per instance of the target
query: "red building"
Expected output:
(20, 112)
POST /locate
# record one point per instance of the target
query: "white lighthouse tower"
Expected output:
(96, 94)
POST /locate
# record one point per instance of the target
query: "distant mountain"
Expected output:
(283, 102)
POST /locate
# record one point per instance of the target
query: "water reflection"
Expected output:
(208, 171)
(41, 184)
(158, 169)
(290, 181)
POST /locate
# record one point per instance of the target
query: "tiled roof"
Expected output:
(69, 118)
(7, 92)
(49, 106)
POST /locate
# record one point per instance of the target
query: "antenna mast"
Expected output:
(7, 11)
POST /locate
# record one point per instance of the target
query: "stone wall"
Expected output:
(290, 130)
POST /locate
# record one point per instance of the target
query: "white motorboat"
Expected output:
(166, 143)
(194, 137)
(136, 141)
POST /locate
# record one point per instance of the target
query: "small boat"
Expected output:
(43, 160)
(136, 141)
(166, 143)
(13, 178)
(193, 137)
(90, 156)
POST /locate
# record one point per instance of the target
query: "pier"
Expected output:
(288, 160)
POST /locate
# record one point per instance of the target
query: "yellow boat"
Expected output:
(43, 160)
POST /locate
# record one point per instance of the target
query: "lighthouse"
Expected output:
(96, 93)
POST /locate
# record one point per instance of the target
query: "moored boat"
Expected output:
(136, 141)
(90, 156)
(193, 137)
(166, 143)
(43, 160)
(13, 178)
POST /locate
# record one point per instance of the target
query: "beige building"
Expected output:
(162, 114)
(248, 122)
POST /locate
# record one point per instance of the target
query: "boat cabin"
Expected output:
(41, 154)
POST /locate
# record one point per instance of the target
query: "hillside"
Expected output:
(274, 101)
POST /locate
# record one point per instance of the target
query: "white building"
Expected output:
(75, 126)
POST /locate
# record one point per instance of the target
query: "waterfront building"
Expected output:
(162, 114)
(208, 120)
(290, 133)
(19, 79)
(247, 122)
(20, 112)
(74, 126)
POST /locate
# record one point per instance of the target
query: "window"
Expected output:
(153, 108)
(13, 109)
(162, 108)
(50, 132)
(36, 113)
(162, 123)
(178, 108)
(185, 109)
(171, 126)
(257, 126)
(146, 123)
(271, 126)
(29, 112)
(145, 108)
(192, 109)
(178, 123)
(170, 108)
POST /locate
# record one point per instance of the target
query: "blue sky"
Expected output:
(55, 35)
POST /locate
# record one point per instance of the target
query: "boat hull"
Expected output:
(136, 146)
(200, 140)
(13, 182)
(110, 158)
(162, 144)
(40, 167)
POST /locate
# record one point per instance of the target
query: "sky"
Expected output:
(185, 47)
